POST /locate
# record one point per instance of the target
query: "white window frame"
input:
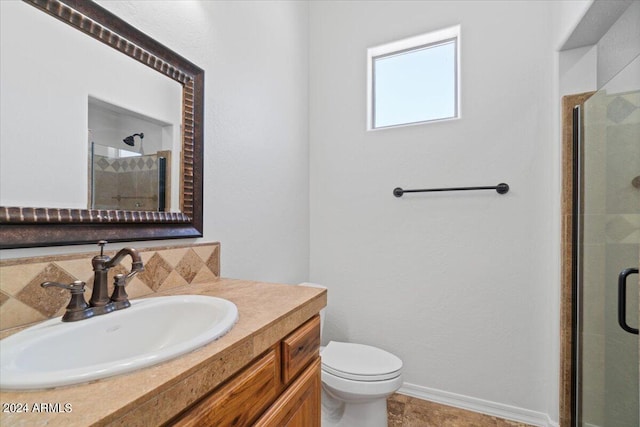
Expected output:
(433, 38)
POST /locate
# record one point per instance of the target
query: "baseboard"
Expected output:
(494, 409)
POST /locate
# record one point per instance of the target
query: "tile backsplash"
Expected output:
(23, 301)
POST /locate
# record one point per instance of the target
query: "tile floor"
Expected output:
(405, 411)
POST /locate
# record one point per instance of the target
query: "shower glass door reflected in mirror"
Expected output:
(608, 253)
(125, 180)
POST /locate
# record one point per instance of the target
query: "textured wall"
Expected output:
(620, 45)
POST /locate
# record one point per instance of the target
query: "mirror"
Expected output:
(58, 129)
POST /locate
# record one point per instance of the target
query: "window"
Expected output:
(414, 80)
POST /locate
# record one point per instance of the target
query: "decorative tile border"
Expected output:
(23, 301)
(126, 164)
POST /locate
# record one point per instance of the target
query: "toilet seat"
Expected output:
(359, 362)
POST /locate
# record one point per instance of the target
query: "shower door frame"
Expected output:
(569, 251)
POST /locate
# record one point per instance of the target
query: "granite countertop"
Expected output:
(268, 312)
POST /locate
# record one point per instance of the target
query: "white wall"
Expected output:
(565, 17)
(255, 58)
(108, 127)
(620, 45)
(462, 286)
(578, 70)
(606, 39)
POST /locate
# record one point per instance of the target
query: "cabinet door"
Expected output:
(240, 401)
(299, 405)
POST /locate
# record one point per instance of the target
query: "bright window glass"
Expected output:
(414, 82)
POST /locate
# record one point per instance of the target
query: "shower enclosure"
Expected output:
(606, 244)
(124, 180)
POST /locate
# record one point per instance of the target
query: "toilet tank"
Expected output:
(322, 312)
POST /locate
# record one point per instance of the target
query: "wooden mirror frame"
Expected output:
(22, 227)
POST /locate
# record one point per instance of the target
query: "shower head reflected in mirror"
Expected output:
(129, 140)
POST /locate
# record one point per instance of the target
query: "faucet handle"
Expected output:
(77, 287)
(78, 308)
(119, 297)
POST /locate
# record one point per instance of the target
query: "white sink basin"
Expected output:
(151, 331)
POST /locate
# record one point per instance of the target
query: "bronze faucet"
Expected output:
(100, 302)
(100, 299)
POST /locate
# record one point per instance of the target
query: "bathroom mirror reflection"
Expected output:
(131, 159)
(126, 180)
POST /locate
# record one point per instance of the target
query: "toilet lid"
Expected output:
(359, 362)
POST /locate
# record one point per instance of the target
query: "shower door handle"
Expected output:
(622, 299)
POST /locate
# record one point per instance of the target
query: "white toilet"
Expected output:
(356, 381)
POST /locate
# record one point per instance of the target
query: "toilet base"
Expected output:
(337, 413)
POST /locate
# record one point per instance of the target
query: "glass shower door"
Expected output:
(609, 245)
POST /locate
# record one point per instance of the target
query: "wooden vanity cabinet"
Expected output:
(282, 387)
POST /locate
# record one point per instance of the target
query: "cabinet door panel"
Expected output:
(299, 405)
(242, 400)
